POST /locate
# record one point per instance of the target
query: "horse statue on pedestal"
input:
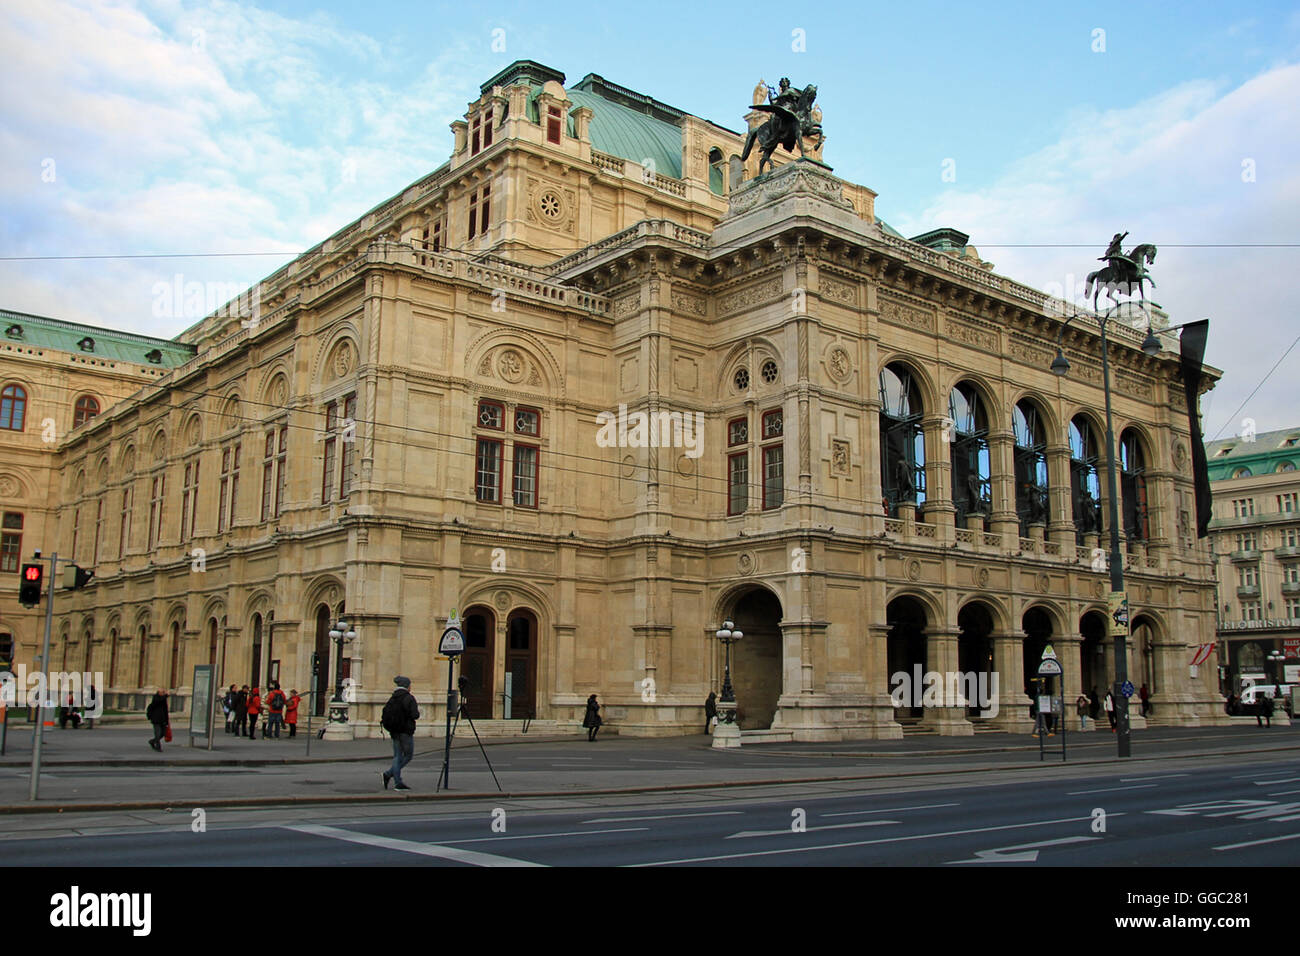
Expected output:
(1123, 274)
(791, 121)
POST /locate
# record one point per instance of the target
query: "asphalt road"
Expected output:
(1230, 811)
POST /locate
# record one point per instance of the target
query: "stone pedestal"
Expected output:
(337, 726)
(1038, 534)
(726, 735)
(907, 515)
(975, 522)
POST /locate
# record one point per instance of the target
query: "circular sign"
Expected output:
(1126, 688)
(452, 643)
(1049, 667)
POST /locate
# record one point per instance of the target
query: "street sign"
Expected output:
(452, 642)
(1050, 667)
(1049, 654)
(1126, 688)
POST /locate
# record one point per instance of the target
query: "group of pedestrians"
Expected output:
(243, 707)
(71, 713)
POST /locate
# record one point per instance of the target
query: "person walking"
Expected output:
(228, 705)
(1109, 704)
(157, 714)
(241, 712)
(291, 712)
(254, 708)
(1264, 715)
(398, 718)
(710, 711)
(275, 712)
(592, 719)
(1081, 707)
(1144, 695)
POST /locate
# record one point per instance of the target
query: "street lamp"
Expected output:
(340, 634)
(727, 732)
(1118, 604)
(1277, 657)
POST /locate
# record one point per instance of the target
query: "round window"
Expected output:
(549, 204)
(741, 379)
(769, 371)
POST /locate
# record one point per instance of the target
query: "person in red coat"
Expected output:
(291, 712)
(254, 708)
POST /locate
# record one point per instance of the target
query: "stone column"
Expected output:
(1013, 704)
(1060, 508)
(1002, 482)
(877, 660)
(1067, 652)
(939, 507)
(941, 654)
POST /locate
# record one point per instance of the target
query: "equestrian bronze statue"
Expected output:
(1124, 274)
(791, 121)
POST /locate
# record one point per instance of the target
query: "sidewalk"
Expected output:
(114, 769)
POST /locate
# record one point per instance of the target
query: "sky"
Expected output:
(141, 141)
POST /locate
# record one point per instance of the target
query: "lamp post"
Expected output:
(1117, 621)
(1276, 657)
(727, 733)
(340, 634)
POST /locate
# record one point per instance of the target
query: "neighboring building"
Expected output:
(1256, 540)
(437, 408)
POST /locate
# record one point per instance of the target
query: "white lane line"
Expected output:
(1252, 776)
(408, 846)
(1272, 783)
(1167, 776)
(1079, 793)
(897, 839)
(1283, 793)
(543, 836)
(1022, 852)
(745, 834)
(553, 759)
(1277, 839)
(666, 816)
(863, 813)
(675, 763)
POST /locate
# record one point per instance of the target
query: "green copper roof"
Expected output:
(36, 331)
(1260, 454)
(628, 125)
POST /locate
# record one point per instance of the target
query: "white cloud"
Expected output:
(1168, 170)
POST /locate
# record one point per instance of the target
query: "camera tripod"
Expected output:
(462, 711)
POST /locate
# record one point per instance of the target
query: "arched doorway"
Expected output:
(756, 659)
(1142, 646)
(322, 655)
(478, 662)
(975, 649)
(1092, 658)
(905, 651)
(176, 656)
(142, 664)
(253, 681)
(521, 662)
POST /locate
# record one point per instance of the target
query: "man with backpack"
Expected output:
(275, 702)
(398, 718)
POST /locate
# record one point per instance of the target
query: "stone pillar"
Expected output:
(907, 515)
(1067, 651)
(877, 661)
(941, 655)
(1060, 507)
(939, 507)
(1013, 704)
(1002, 482)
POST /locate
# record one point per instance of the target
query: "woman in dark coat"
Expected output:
(592, 719)
(710, 711)
(157, 714)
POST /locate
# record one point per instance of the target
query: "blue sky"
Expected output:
(168, 127)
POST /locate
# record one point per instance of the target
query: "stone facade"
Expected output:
(441, 407)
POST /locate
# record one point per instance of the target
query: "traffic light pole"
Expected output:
(38, 736)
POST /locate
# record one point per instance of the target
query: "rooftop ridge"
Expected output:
(82, 326)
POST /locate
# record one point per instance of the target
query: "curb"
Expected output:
(388, 797)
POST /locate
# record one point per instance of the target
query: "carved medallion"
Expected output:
(686, 466)
(839, 457)
(501, 599)
(1044, 582)
(839, 364)
(192, 434)
(914, 570)
(982, 577)
(511, 366)
(745, 562)
(8, 486)
(343, 358)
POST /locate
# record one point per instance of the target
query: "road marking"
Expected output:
(1168, 776)
(1079, 793)
(666, 816)
(744, 834)
(408, 846)
(1283, 793)
(1271, 783)
(856, 843)
(1276, 839)
(544, 836)
(553, 759)
(1027, 852)
(675, 763)
(861, 813)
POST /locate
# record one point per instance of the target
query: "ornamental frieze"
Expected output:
(838, 290)
(1132, 385)
(970, 335)
(690, 304)
(750, 295)
(900, 313)
(1028, 354)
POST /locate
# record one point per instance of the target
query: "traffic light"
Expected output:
(315, 664)
(76, 577)
(29, 592)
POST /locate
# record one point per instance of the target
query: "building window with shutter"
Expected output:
(553, 124)
(349, 446)
(327, 471)
(11, 541)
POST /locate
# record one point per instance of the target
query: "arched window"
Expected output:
(1286, 466)
(1241, 473)
(13, 407)
(1031, 464)
(1085, 488)
(902, 446)
(716, 163)
(969, 448)
(1133, 486)
(87, 407)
